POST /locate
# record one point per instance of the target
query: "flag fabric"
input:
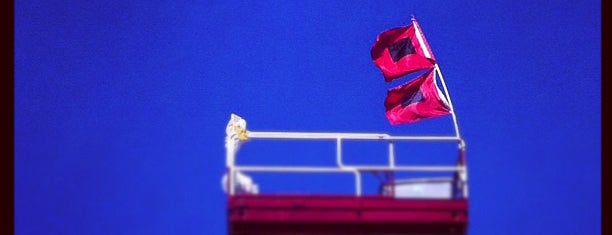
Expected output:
(401, 51)
(416, 100)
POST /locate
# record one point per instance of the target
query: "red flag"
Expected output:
(401, 51)
(416, 100)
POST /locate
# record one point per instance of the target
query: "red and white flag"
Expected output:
(401, 51)
(416, 100)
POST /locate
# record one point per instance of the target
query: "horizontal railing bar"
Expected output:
(423, 180)
(351, 136)
(346, 169)
(315, 135)
(407, 168)
(290, 169)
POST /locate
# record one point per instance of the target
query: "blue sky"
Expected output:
(121, 106)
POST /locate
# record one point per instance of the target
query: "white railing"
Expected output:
(460, 169)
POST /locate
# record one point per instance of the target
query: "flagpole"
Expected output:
(450, 102)
(428, 54)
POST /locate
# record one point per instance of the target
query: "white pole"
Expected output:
(391, 154)
(450, 102)
(339, 152)
(419, 36)
(230, 155)
(437, 68)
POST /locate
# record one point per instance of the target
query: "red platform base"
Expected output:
(367, 215)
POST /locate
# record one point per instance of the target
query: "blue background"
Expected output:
(121, 106)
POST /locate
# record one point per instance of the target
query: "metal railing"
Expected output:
(460, 169)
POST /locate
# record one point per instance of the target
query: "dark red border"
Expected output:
(319, 214)
(605, 174)
(8, 157)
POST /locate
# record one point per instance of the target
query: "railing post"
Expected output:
(339, 152)
(230, 154)
(391, 154)
(357, 182)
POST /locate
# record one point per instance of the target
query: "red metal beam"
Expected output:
(315, 214)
